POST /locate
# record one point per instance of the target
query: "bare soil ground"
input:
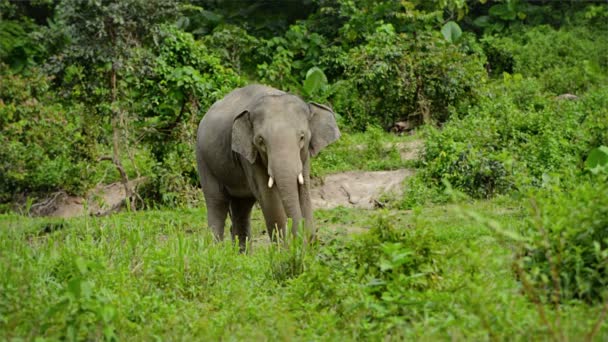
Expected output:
(357, 189)
(102, 200)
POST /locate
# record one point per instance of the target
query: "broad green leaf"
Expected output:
(451, 31)
(503, 11)
(597, 161)
(482, 21)
(315, 79)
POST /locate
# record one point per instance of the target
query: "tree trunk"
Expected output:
(117, 119)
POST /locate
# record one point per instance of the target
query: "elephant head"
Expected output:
(281, 132)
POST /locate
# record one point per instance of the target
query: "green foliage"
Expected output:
(395, 77)
(144, 71)
(183, 79)
(451, 31)
(597, 160)
(422, 275)
(511, 140)
(43, 145)
(285, 60)
(569, 60)
(373, 150)
(393, 260)
(83, 310)
(315, 81)
(568, 250)
(235, 46)
(18, 48)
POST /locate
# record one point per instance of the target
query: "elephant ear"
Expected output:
(242, 137)
(323, 127)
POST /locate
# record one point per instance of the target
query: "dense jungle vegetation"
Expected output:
(501, 234)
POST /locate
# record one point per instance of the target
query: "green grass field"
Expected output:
(427, 274)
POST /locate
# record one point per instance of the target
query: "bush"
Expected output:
(44, 146)
(284, 60)
(568, 60)
(568, 233)
(383, 268)
(394, 76)
(514, 138)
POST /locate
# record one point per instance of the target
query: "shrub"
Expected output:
(383, 269)
(44, 146)
(568, 60)
(515, 137)
(394, 76)
(567, 255)
(284, 60)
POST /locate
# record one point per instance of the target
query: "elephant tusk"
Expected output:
(300, 179)
(270, 182)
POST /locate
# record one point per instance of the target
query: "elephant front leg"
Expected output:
(240, 215)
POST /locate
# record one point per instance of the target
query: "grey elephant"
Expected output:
(255, 145)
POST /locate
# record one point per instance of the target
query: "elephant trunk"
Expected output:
(287, 173)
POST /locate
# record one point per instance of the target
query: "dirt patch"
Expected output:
(409, 150)
(357, 189)
(102, 200)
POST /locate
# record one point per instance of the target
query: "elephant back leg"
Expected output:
(240, 215)
(217, 202)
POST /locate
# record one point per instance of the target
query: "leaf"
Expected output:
(597, 161)
(503, 11)
(482, 21)
(451, 31)
(315, 79)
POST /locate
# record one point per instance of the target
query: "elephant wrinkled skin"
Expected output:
(255, 145)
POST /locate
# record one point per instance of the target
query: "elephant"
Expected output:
(254, 145)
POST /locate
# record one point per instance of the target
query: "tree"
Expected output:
(101, 37)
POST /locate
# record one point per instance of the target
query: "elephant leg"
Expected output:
(217, 205)
(240, 214)
(217, 211)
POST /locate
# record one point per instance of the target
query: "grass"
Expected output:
(157, 275)
(373, 150)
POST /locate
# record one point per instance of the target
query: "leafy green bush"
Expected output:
(283, 61)
(382, 268)
(44, 146)
(567, 255)
(18, 48)
(516, 136)
(234, 45)
(568, 60)
(394, 76)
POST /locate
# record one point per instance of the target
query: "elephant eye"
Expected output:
(260, 140)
